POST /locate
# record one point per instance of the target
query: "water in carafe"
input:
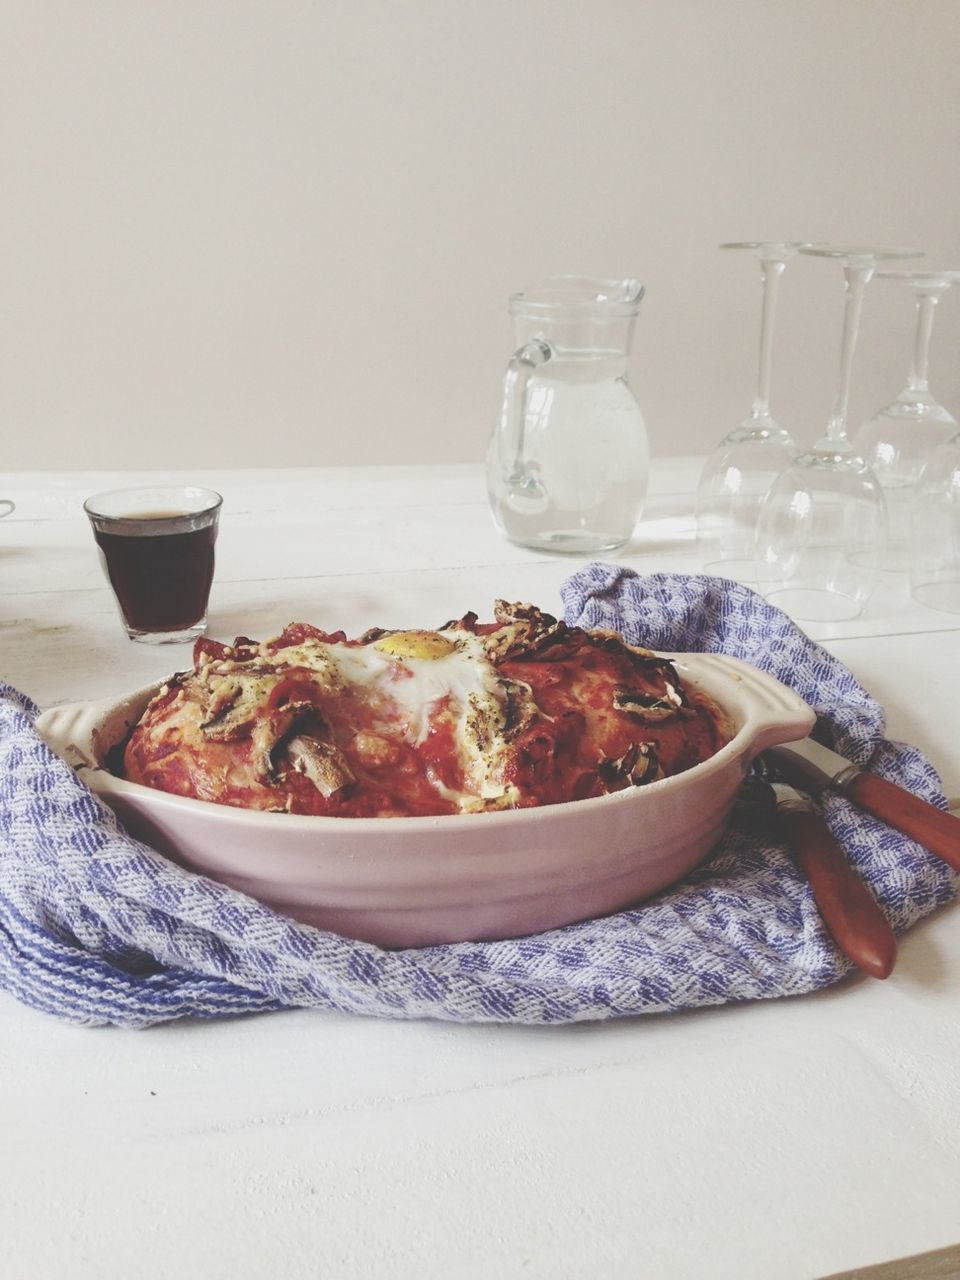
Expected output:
(568, 464)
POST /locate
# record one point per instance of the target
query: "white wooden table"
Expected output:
(792, 1138)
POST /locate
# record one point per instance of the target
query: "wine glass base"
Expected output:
(744, 571)
(944, 596)
(811, 604)
(894, 558)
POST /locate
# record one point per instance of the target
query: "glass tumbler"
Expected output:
(156, 547)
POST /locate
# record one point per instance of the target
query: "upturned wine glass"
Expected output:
(826, 512)
(899, 439)
(935, 530)
(741, 469)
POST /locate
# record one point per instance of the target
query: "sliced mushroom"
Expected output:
(638, 765)
(506, 612)
(520, 708)
(649, 707)
(321, 762)
(227, 716)
(271, 732)
(235, 696)
(524, 629)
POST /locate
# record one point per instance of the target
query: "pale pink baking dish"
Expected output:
(405, 882)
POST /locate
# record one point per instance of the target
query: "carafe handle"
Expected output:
(522, 488)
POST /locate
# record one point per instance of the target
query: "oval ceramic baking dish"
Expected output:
(405, 882)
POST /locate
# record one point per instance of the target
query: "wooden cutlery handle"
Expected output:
(856, 923)
(921, 821)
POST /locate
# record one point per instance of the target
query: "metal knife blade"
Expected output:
(813, 767)
(848, 909)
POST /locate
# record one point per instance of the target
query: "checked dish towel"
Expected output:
(97, 928)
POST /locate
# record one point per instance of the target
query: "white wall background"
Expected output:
(274, 230)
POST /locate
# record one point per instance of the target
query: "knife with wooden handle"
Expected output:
(814, 767)
(846, 905)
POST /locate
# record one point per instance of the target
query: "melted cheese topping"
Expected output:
(462, 719)
(406, 680)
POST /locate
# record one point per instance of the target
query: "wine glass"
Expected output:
(825, 513)
(935, 530)
(742, 467)
(898, 440)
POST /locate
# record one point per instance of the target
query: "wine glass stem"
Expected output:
(771, 269)
(926, 305)
(856, 276)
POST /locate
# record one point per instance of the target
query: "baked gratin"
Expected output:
(520, 712)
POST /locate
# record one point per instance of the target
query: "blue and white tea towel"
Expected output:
(97, 928)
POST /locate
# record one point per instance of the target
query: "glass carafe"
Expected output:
(569, 461)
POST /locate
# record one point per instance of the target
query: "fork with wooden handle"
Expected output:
(846, 905)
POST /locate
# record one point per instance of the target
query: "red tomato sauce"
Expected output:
(591, 711)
